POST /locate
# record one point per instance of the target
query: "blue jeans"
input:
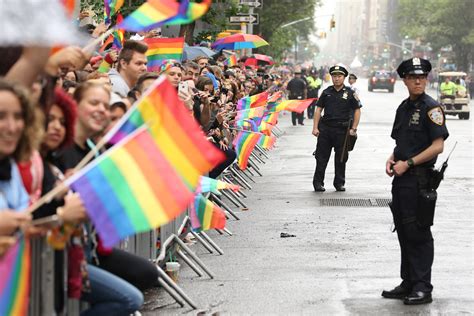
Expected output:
(110, 295)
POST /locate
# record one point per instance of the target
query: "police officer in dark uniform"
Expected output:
(298, 91)
(341, 107)
(419, 132)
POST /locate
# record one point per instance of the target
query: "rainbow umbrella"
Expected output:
(239, 41)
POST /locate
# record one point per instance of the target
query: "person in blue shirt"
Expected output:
(16, 134)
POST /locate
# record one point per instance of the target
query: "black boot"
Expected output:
(398, 293)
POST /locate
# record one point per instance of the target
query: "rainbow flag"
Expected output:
(293, 105)
(248, 114)
(118, 34)
(205, 215)
(265, 128)
(15, 271)
(231, 61)
(109, 40)
(110, 8)
(176, 133)
(244, 143)
(253, 101)
(131, 188)
(160, 49)
(207, 184)
(271, 118)
(155, 13)
(276, 97)
(267, 142)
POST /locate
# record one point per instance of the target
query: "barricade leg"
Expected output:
(225, 230)
(189, 263)
(227, 208)
(230, 193)
(194, 257)
(175, 287)
(171, 292)
(202, 241)
(239, 177)
(229, 197)
(213, 244)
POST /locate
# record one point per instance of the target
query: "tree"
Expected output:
(441, 23)
(276, 13)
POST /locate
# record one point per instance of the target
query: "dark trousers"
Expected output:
(329, 138)
(134, 269)
(311, 108)
(297, 116)
(230, 156)
(416, 243)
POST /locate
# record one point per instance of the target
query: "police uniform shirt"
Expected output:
(296, 86)
(417, 124)
(338, 105)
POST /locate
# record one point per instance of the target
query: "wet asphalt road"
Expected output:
(341, 257)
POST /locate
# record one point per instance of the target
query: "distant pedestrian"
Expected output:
(341, 113)
(419, 131)
(314, 84)
(297, 91)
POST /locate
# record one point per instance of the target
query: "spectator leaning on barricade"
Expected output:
(131, 63)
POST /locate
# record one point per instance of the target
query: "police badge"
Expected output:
(344, 96)
(436, 116)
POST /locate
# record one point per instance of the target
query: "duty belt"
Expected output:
(335, 123)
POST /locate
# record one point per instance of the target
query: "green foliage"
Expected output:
(97, 6)
(441, 23)
(276, 13)
(217, 19)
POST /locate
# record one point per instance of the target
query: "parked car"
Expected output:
(381, 79)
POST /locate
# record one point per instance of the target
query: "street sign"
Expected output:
(244, 18)
(252, 3)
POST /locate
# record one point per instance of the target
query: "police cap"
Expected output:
(353, 76)
(414, 66)
(334, 70)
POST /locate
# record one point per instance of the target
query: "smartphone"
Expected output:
(183, 86)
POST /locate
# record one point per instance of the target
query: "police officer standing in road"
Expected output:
(341, 112)
(298, 91)
(314, 84)
(419, 132)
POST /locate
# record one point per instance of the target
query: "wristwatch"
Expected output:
(410, 163)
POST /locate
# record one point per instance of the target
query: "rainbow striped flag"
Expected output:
(267, 142)
(293, 105)
(110, 8)
(176, 133)
(265, 128)
(205, 215)
(231, 61)
(119, 34)
(131, 188)
(253, 101)
(244, 143)
(207, 184)
(243, 115)
(15, 271)
(160, 49)
(271, 118)
(155, 13)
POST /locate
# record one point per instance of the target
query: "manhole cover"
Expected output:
(355, 202)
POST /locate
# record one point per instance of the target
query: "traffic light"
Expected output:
(332, 24)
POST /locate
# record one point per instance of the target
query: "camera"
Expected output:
(224, 90)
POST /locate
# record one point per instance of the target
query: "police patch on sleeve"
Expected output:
(436, 116)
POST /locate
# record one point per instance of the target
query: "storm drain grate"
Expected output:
(355, 202)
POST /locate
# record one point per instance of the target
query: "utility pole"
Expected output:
(250, 27)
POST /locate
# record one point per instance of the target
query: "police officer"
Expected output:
(341, 107)
(419, 132)
(298, 91)
(314, 84)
